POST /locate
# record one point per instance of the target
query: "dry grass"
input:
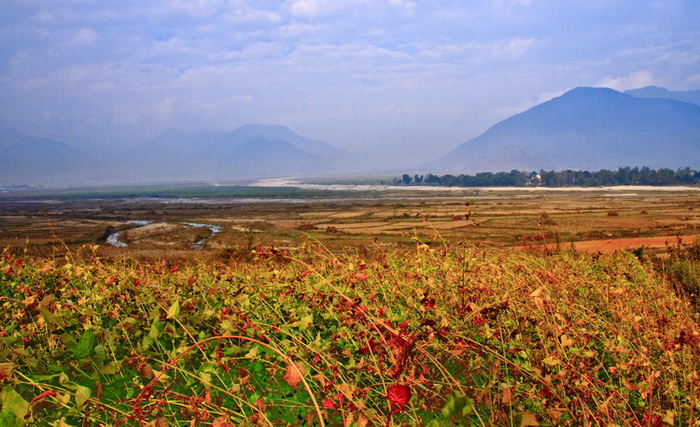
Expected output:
(495, 219)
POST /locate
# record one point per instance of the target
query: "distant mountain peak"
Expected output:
(592, 93)
(585, 128)
(271, 131)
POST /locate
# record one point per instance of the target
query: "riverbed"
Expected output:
(114, 238)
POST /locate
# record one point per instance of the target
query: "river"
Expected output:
(113, 239)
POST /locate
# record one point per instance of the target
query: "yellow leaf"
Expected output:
(174, 310)
(162, 378)
(14, 402)
(110, 368)
(252, 353)
(537, 292)
(670, 417)
(82, 395)
(551, 361)
(6, 368)
(565, 341)
(205, 378)
(304, 322)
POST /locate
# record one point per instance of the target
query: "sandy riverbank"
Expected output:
(297, 183)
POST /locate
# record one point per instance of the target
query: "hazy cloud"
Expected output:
(387, 75)
(633, 80)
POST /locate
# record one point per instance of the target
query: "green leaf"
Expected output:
(51, 319)
(9, 419)
(9, 341)
(14, 402)
(458, 405)
(156, 327)
(110, 368)
(86, 345)
(82, 394)
(304, 322)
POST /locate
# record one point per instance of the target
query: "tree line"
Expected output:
(565, 178)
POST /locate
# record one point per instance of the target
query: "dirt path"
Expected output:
(612, 245)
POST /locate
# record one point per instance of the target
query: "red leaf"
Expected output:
(398, 395)
(529, 420)
(295, 373)
(43, 395)
(222, 421)
(362, 276)
(328, 403)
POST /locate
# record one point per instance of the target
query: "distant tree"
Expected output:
(565, 178)
(432, 179)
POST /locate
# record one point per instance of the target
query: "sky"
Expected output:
(409, 80)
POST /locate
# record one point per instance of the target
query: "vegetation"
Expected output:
(566, 178)
(165, 191)
(684, 268)
(433, 334)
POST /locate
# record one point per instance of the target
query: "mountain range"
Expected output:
(248, 152)
(28, 159)
(587, 129)
(583, 129)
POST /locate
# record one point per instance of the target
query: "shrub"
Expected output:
(429, 336)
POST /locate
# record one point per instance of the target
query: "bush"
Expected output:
(684, 268)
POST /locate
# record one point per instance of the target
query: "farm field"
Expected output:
(400, 308)
(158, 226)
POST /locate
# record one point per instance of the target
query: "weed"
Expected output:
(429, 335)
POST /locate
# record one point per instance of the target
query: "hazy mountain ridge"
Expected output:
(26, 159)
(250, 151)
(692, 96)
(585, 128)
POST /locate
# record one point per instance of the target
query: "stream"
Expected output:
(215, 229)
(113, 239)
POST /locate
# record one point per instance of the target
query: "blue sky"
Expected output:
(407, 79)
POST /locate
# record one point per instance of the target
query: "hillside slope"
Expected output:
(586, 128)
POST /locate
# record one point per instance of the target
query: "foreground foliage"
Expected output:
(429, 336)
